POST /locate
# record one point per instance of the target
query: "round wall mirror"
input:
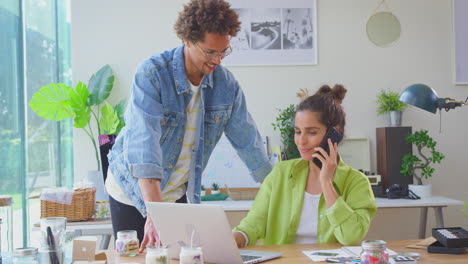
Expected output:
(383, 28)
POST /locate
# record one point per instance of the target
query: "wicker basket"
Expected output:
(81, 209)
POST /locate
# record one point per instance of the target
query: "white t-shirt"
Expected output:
(175, 187)
(307, 230)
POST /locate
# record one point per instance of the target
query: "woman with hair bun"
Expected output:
(301, 203)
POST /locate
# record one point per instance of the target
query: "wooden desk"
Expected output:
(292, 254)
(104, 228)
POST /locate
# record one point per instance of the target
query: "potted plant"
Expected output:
(214, 188)
(285, 125)
(84, 103)
(389, 103)
(412, 163)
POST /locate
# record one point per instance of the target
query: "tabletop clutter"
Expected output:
(51, 242)
(370, 252)
(127, 245)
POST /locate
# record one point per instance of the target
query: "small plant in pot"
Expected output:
(389, 103)
(214, 188)
(203, 190)
(87, 106)
(411, 163)
(285, 125)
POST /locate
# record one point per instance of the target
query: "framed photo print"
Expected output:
(460, 29)
(275, 32)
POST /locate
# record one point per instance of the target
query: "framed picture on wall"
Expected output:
(275, 32)
(460, 30)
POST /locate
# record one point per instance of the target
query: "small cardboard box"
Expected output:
(84, 251)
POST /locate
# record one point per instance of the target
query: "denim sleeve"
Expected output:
(143, 121)
(242, 132)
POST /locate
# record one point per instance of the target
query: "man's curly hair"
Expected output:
(206, 16)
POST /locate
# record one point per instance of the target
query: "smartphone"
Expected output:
(335, 137)
(328, 254)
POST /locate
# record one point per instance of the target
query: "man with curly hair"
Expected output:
(182, 101)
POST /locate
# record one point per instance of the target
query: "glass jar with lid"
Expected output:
(374, 252)
(127, 243)
(25, 256)
(157, 255)
(6, 223)
(191, 255)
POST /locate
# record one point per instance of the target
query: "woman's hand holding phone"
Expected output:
(329, 161)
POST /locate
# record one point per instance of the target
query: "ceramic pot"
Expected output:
(394, 118)
(97, 180)
(424, 190)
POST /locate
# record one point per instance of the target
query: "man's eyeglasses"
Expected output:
(214, 54)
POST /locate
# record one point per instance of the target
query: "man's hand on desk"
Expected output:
(151, 190)
(150, 237)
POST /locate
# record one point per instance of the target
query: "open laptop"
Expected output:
(210, 228)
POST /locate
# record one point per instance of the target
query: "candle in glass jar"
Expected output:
(157, 255)
(191, 255)
(127, 243)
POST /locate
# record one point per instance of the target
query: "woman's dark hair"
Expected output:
(326, 102)
(206, 16)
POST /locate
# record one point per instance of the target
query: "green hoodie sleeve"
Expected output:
(351, 215)
(254, 224)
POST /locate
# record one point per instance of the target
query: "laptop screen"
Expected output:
(198, 225)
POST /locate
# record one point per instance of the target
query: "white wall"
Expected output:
(122, 33)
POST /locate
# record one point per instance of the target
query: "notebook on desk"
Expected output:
(177, 222)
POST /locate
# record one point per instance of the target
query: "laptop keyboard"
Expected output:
(249, 258)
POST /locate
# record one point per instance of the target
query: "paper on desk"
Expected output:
(57, 195)
(344, 252)
(423, 244)
(339, 253)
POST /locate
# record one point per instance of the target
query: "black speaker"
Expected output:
(391, 147)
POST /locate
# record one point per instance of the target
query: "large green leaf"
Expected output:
(120, 109)
(52, 102)
(79, 101)
(100, 85)
(109, 120)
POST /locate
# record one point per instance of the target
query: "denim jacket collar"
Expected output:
(180, 75)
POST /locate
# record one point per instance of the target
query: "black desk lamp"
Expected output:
(424, 97)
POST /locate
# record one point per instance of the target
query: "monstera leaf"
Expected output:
(79, 102)
(57, 101)
(120, 109)
(100, 85)
(109, 121)
(52, 102)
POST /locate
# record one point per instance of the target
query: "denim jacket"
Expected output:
(150, 143)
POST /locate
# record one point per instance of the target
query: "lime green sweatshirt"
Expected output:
(276, 212)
